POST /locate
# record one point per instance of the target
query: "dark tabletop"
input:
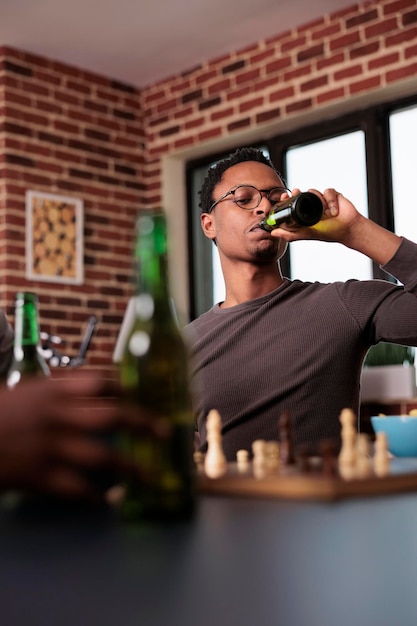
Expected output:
(241, 561)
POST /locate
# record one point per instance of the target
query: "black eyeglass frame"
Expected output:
(267, 193)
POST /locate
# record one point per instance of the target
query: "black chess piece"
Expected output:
(286, 446)
(328, 453)
(303, 460)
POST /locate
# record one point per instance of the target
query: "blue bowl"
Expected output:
(401, 432)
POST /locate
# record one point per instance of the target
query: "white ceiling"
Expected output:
(141, 42)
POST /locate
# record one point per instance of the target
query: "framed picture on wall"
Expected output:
(54, 238)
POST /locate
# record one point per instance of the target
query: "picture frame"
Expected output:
(54, 238)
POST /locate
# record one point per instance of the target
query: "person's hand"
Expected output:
(342, 223)
(340, 217)
(53, 435)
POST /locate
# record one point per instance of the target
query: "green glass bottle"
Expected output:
(304, 209)
(27, 360)
(154, 375)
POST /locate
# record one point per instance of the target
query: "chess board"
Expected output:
(295, 484)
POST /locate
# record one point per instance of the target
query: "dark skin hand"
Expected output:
(51, 435)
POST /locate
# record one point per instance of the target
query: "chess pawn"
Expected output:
(259, 451)
(259, 458)
(215, 464)
(242, 456)
(242, 459)
(381, 455)
(272, 454)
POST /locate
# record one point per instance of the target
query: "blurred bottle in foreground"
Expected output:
(154, 375)
(27, 360)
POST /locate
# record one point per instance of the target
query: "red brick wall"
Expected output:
(64, 130)
(67, 131)
(350, 54)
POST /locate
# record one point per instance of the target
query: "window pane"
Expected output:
(219, 292)
(339, 162)
(403, 136)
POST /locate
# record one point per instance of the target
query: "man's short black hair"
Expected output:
(215, 173)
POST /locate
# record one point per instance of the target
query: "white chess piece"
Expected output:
(347, 454)
(382, 461)
(259, 451)
(259, 458)
(242, 459)
(215, 464)
(242, 456)
(363, 466)
(272, 455)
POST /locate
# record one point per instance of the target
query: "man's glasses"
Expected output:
(249, 197)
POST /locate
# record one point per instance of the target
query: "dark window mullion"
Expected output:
(379, 175)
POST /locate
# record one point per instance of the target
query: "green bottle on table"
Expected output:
(154, 375)
(27, 360)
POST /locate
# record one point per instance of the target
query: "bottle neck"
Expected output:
(152, 267)
(26, 322)
(152, 275)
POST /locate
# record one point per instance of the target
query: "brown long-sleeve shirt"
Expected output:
(300, 349)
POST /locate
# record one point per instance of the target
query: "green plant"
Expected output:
(389, 354)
